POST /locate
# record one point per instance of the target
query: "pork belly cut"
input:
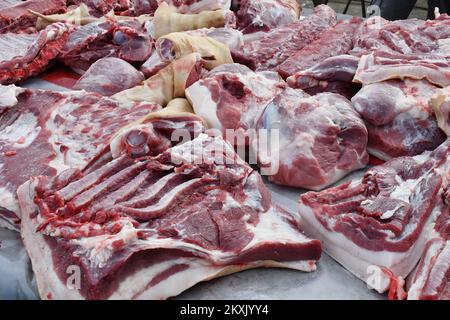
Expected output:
(316, 139)
(399, 117)
(334, 74)
(376, 227)
(430, 279)
(441, 105)
(108, 76)
(381, 66)
(15, 15)
(233, 97)
(26, 55)
(274, 47)
(265, 15)
(337, 40)
(151, 228)
(43, 133)
(126, 39)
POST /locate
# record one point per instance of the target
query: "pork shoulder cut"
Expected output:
(318, 139)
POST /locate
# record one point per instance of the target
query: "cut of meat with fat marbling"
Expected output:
(337, 40)
(15, 16)
(26, 55)
(274, 47)
(232, 96)
(377, 227)
(399, 117)
(381, 66)
(320, 139)
(151, 228)
(43, 133)
(127, 40)
(431, 278)
(334, 74)
(265, 15)
(409, 37)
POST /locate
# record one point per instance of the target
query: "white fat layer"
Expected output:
(8, 95)
(100, 248)
(22, 132)
(200, 98)
(404, 188)
(8, 199)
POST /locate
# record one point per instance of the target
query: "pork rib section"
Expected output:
(376, 226)
(152, 228)
(44, 133)
(125, 39)
(409, 37)
(26, 55)
(337, 40)
(274, 47)
(15, 16)
(321, 138)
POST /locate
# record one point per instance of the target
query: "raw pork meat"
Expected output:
(430, 280)
(168, 20)
(158, 131)
(151, 228)
(232, 96)
(264, 15)
(441, 106)
(320, 139)
(126, 40)
(196, 6)
(169, 83)
(25, 55)
(334, 74)
(44, 133)
(231, 37)
(399, 117)
(179, 44)
(99, 8)
(377, 227)
(15, 17)
(337, 40)
(380, 66)
(153, 65)
(276, 46)
(410, 37)
(108, 76)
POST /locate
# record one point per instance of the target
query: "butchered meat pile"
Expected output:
(151, 173)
